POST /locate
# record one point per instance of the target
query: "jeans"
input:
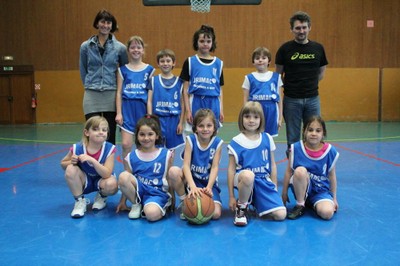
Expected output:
(295, 111)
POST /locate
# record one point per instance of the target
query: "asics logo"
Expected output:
(302, 56)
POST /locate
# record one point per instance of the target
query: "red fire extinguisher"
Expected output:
(33, 103)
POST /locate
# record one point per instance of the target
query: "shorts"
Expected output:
(264, 197)
(150, 195)
(314, 193)
(132, 111)
(169, 125)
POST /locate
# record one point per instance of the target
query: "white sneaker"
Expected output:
(79, 208)
(135, 211)
(99, 202)
(180, 207)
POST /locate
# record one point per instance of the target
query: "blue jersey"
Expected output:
(135, 82)
(166, 97)
(318, 168)
(261, 91)
(106, 151)
(205, 78)
(151, 172)
(202, 158)
(253, 156)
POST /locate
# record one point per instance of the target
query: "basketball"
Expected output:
(198, 210)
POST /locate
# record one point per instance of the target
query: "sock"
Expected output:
(242, 205)
(300, 203)
(183, 197)
(78, 197)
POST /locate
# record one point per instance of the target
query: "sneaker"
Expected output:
(135, 212)
(181, 215)
(79, 208)
(99, 202)
(240, 216)
(297, 211)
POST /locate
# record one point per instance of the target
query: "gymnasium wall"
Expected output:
(361, 82)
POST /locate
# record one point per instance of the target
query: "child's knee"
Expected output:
(246, 177)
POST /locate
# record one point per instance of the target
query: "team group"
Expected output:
(162, 112)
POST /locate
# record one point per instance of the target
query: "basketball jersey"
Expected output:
(205, 78)
(166, 98)
(253, 155)
(202, 158)
(151, 172)
(106, 150)
(261, 91)
(135, 82)
(318, 168)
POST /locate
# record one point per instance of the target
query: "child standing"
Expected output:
(89, 167)
(165, 101)
(200, 162)
(203, 77)
(311, 172)
(132, 85)
(252, 168)
(265, 87)
(145, 184)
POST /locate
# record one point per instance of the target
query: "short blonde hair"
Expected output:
(255, 108)
(93, 122)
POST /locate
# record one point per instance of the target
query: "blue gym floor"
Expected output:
(36, 227)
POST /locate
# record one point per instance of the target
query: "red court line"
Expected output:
(366, 155)
(33, 160)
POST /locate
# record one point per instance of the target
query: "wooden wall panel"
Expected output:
(48, 34)
(391, 94)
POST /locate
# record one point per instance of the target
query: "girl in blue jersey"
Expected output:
(132, 85)
(201, 159)
(89, 167)
(252, 168)
(165, 101)
(145, 183)
(311, 172)
(265, 87)
(203, 76)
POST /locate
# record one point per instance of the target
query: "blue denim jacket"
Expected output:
(99, 72)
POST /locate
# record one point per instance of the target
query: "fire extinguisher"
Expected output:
(34, 102)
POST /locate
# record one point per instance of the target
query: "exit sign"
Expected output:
(8, 68)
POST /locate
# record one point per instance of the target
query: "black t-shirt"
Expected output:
(301, 67)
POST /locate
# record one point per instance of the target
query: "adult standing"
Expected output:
(100, 57)
(302, 64)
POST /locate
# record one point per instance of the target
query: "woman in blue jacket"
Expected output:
(100, 57)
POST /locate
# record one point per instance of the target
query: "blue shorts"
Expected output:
(215, 189)
(265, 198)
(169, 125)
(150, 195)
(132, 111)
(271, 115)
(92, 184)
(208, 102)
(315, 194)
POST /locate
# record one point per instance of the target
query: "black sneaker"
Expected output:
(297, 211)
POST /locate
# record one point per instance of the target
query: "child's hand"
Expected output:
(74, 159)
(232, 203)
(122, 207)
(195, 192)
(208, 191)
(285, 198)
(85, 158)
(119, 119)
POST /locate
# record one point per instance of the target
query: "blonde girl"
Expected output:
(89, 167)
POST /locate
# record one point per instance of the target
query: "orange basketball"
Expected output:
(198, 210)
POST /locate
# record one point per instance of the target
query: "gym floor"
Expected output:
(36, 227)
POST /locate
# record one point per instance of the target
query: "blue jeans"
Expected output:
(294, 112)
